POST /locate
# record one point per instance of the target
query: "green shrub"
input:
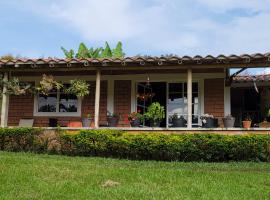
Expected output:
(146, 146)
(18, 139)
(184, 147)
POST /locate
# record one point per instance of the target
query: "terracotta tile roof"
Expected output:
(142, 60)
(257, 78)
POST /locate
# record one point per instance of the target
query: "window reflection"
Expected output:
(68, 103)
(47, 103)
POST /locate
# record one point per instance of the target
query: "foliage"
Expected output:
(18, 139)
(8, 57)
(118, 51)
(267, 112)
(177, 116)
(15, 87)
(110, 114)
(155, 112)
(47, 84)
(78, 87)
(69, 54)
(146, 146)
(82, 51)
(134, 115)
(94, 52)
(184, 147)
(106, 52)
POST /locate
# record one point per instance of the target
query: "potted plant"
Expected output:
(15, 87)
(208, 121)
(228, 121)
(178, 120)
(78, 87)
(86, 121)
(135, 119)
(155, 113)
(112, 119)
(47, 84)
(267, 114)
(246, 122)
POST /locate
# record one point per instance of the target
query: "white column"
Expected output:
(97, 99)
(189, 98)
(110, 96)
(5, 100)
(227, 101)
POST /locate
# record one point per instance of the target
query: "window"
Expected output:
(177, 100)
(57, 103)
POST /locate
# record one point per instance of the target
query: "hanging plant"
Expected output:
(15, 87)
(47, 84)
(80, 88)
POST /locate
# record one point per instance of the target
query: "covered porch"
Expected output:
(189, 87)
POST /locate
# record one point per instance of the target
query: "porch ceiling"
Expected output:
(143, 62)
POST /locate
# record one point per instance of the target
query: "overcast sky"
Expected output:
(38, 28)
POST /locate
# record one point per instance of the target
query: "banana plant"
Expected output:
(94, 53)
(107, 52)
(118, 51)
(68, 54)
(82, 51)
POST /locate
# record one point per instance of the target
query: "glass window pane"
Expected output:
(68, 103)
(195, 87)
(47, 103)
(175, 88)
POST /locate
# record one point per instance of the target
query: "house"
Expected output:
(189, 86)
(250, 96)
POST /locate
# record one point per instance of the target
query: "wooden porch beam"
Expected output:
(229, 78)
(97, 98)
(238, 72)
(5, 101)
(189, 98)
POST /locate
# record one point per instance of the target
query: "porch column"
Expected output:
(97, 99)
(227, 101)
(189, 98)
(5, 99)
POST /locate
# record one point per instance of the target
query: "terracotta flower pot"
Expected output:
(246, 124)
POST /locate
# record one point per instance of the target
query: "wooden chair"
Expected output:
(26, 122)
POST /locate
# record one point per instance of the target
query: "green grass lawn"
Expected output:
(33, 176)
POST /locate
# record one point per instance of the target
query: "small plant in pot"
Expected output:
(228, 121)
(155, 113)
(135, 119)
(247, 122)
(178, 120)
(86, 121)
(208, 121)
(112, 119)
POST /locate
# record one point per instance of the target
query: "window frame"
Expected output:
(57, 113)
